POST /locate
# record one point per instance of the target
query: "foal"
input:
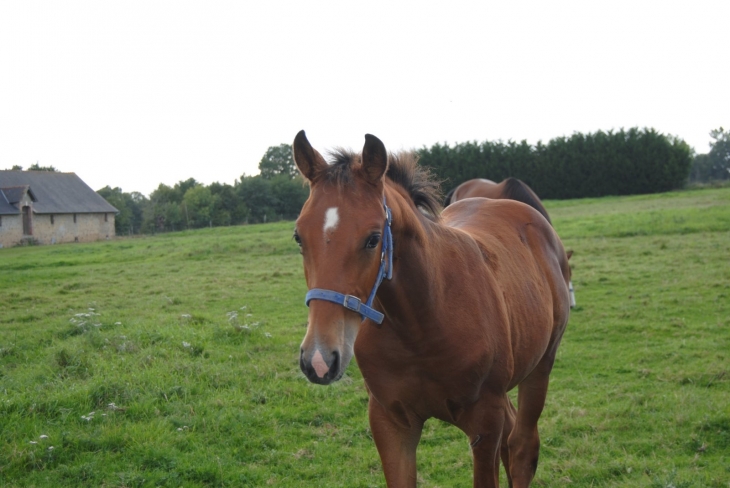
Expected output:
(473, 303)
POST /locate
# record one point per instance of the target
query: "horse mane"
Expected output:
(403, 170)
(447, 198)
(515, 189)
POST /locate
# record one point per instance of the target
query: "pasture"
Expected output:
(172, 360)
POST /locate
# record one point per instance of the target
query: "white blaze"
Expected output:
(331, 219)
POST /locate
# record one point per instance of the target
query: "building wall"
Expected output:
(11, 230)
(87, 228)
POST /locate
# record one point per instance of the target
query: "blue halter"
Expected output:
(352, 302)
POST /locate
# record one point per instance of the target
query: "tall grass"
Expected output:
(173, 361)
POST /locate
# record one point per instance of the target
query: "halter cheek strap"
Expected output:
(352, 302)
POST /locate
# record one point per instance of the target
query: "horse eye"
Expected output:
(373, 241)
(298, 239)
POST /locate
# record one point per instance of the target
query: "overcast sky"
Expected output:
(132, 94)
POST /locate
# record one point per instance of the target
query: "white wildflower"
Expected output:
(186, 344)
(33, 442)
(44, 436)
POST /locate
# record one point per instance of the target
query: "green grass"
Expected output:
(189, 388)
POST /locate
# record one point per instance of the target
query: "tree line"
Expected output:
(624, 162)
(277, 192)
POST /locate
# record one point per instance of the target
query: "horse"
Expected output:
(444, 311)
(510, 188)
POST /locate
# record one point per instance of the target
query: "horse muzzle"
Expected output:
(320, 367)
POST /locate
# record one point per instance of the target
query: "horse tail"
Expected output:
(447, 199)
(515, 189)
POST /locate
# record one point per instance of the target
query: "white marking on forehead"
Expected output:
(331, 219)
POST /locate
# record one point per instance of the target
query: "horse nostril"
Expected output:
(335, 367)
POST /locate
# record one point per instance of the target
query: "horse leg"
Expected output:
(396, 438)
(509, 423)
(524, 442)
(484, 423)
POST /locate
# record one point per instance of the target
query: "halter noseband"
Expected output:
(352, 302)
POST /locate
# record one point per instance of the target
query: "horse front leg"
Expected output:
(396, 436)
(509, 423)
(485, 424)
(524, 441)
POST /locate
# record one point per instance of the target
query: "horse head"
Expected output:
(341, 231)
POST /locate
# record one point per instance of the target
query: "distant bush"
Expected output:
(633, 161)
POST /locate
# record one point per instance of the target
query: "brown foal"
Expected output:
(476, 305)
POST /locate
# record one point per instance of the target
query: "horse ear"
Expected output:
(307, 159)
(569, 253)
(374, 158)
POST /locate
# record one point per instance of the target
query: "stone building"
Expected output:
(46, 207)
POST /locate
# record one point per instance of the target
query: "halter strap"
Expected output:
(352, 302)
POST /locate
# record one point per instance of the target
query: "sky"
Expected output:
(132, 94)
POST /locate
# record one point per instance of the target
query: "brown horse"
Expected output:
(510, 189)
(473, 303)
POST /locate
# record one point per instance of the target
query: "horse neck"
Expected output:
(413, 294)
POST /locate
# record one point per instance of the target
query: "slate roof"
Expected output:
(14, 194)
(5, 207)
(52, 193)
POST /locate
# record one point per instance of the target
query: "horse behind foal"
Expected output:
(444, 313)
(510, 189)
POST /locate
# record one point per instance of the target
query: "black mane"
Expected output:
(403, 170)
(518, 190)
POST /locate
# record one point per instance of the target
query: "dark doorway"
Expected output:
(27, 222)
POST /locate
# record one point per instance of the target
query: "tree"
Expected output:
(714, 165)
(289, 195)
(130, 206)
(229, 208)
(256, 194)
(278, 160)
(163, 211)
(720, 152)
(199, 204)
(38, 167)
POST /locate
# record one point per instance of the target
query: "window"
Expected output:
(74, 218)
(105, 218)
(1, 220)
(51, 219)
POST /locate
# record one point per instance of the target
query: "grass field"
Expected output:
(172, 360)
